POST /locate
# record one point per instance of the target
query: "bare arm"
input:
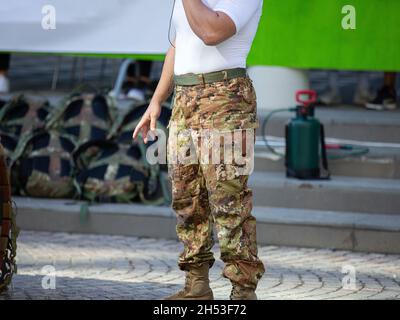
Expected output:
(163, 90)
(212, 27)
(165, 85)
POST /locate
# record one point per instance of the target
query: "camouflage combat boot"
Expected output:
(242, 293)
(197, 285)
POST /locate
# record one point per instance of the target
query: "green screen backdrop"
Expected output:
(309, 34)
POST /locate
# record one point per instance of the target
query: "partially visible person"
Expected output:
(332, 96)
(4, 66)
(138, 80)
(386, 98)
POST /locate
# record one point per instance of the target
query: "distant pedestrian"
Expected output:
(138, 80)
(362, 93)
(386, 98)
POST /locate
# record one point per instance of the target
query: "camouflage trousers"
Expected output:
(208, 193)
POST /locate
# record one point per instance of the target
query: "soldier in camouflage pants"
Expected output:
(207, 193)
(214, 109)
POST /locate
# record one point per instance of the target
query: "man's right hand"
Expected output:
(148, 121)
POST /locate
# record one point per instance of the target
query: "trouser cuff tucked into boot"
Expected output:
(240, 292)
(197, 284)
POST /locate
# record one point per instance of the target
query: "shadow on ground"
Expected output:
(29, 287)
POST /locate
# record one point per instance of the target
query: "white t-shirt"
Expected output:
(193, 56)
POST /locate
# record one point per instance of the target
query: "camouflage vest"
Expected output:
(8, 228)
(45, 165)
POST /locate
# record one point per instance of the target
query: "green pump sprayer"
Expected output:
(305, 148)
(305, 141)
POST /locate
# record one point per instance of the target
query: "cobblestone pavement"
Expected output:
(116, 267)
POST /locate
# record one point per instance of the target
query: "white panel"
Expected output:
(86, 26)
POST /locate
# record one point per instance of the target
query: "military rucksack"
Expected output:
(9, 144)
(115, 174)
(45, 165)
(23, 115)
(20, 118)
(87, 117)
(42, 164)
(2, 104)
(126, 123)
(155, 190)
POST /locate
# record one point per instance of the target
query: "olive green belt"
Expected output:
(192, 79)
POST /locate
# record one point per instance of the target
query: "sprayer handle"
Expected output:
(312, 97)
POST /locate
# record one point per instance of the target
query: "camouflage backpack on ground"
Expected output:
(2, 104)
(87, 117)
(44, 161)
(8, 228)
(20, 117)
(9, 144)
(23, 115)
(116, 174)
(126, 124)
(155, 191)
(45, 165)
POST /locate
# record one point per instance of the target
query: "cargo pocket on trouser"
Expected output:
(190, 203)
(249, 105)
(185, 186)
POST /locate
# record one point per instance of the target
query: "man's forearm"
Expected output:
(210, 26)
(200, 17)
(165, 85)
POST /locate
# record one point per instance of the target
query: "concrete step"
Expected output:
(365, 195)
(383, 163)
(366, 232)
(346, 122)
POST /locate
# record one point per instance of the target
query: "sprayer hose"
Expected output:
(264, 130)
(356, 150)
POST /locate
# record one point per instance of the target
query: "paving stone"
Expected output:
(115, 267)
